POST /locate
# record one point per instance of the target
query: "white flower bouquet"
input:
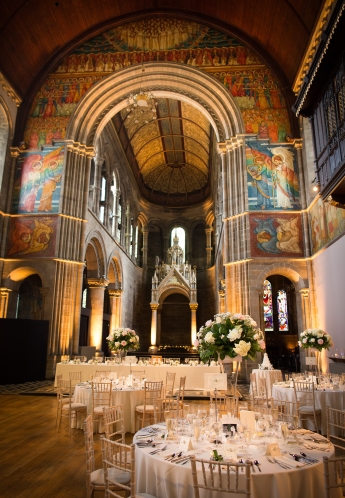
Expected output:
(315, 338)
(229, 334)
(123, 339)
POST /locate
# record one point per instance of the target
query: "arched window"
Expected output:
(181, 234)
(84, 299)
(268, 306)
(102, 198)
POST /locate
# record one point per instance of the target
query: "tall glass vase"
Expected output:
(317, 355)
(231, 367)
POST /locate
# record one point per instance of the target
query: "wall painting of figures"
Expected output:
(33, 235)
(276, 235)
(326, 224)
(37, 181)
(272, 176)
(252, 85)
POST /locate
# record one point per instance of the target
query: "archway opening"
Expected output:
(175, 321)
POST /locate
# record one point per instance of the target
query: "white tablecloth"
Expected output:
(164, 479)
(194, 374)
(129, 398)
(266, 375)
(323, 398)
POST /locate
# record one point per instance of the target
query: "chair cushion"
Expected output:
(308, 409)
(74, 406)
(98, 410)
(97, 477)
(149, 408)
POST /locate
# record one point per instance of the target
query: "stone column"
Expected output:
(115, 297)
(128, 229)
(108, 196)
(115, 229)
(208, 247)
(221, 295)
(145, 233)
(193, 308)
(305, 307)
(154, 308)
(96, 288)
(4, 298)
(98, 160)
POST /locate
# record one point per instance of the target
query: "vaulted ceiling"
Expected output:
(34, 33)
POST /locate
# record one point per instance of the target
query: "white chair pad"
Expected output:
(308, 409)
(98, 410)
(74, 406)
(97, 477)
(149, 408)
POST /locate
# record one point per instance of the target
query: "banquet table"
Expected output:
(124, 395)
(266, 375)
(194, 374)
(162, 478)
(323, 398)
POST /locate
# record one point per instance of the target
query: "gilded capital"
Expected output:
(115, 292)
(97, 282)
(154, 306)
(15, 151)
(221, 148)
(193, 307)
(304, 292)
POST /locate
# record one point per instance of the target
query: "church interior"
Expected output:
(163, 162)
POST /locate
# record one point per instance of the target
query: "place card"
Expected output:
(247, 418)
(185, 444)
(273, 449)
(215, 381)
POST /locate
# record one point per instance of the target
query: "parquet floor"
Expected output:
(36, 461)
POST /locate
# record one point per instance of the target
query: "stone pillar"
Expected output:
(193, 308)
(221, 295)
(154, 308)
(115, 297)
(115, 229)
(96, 288)
(4, 298)
(305, 307)
(145, 233)
(97, 184)
(108, 195)
(128, 228)
(159, 326)
(208, 247)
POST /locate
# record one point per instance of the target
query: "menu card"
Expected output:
(247, 418)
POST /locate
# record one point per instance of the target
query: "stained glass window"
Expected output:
(84, 298)
(282, 311)
(268, 307)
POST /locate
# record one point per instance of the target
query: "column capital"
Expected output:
(15, 151)
(154, 306)
(221, 148)
(298, 143)
(79, 148)
(97, 282)
(193, 306)
(115, 292)
(304, 292)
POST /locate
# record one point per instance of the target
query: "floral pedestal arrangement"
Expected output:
(122, 340)
(315, 340)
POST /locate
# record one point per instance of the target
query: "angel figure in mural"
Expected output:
(49, 178)
(258, 172)
(283, 176)
(288, 235)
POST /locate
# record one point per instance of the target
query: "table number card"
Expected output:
(273, 450)
(247, 418)
(186, 444)
(215, 381)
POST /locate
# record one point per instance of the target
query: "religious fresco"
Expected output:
(272, 176)
(276, 235)
(253, 86)
(326, 223)
(37, 181)
(32, 235)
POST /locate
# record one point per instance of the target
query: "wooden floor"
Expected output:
(36, 461)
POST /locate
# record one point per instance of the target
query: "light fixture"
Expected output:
(141, 106)
(316, 186)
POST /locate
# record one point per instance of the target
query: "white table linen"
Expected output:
(128, 397)
(323, 398)
(266, 375)
(194, 374)
(162, 478)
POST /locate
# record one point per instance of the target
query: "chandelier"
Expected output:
(141, 106)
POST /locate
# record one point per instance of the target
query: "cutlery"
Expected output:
(158, 450)
(269, 460)
(253, 468)
(169, 456)
(314, 460)
(282, 465)
(257, 464)
(298, 458)
(241, 461)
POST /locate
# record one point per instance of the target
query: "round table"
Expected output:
(128, 397)
(323, 398)
(161, 478)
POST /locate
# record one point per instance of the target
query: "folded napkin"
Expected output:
(290, 462)
(317, 446)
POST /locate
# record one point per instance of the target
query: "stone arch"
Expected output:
(108, 97)
(114, 271)
(287, 270)
(15, 277)
(95, 255)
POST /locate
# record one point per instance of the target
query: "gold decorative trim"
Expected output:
(312, 46)
(10, 90)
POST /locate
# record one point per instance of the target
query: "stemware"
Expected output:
(197, 424)
(217, 427)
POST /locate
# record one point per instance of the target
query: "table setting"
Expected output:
(284, 461)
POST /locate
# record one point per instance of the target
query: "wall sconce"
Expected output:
(316, 186)
(153, 349)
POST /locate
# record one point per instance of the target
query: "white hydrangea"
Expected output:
(209, 338)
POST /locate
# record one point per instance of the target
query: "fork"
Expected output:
(158, 451)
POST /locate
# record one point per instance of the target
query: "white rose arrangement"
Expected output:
(123, 339)
(229, 334)
(315, 338)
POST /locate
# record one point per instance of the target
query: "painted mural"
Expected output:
(276, 235)
(326, 224)
(32, 235)
(252, 85)
(37, 181)
(272, 176)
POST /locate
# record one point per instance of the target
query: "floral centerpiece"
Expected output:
(229, 334)
(122, 339)
(315, 338)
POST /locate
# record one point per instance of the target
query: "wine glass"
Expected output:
(217, 427)
(197, 424)
(202, 415)
(284, 429)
